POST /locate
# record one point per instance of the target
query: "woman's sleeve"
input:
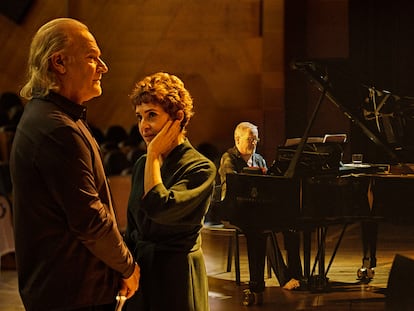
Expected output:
(184, 202)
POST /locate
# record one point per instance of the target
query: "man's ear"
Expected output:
(179, 115)
(58, 63)
(237, 139)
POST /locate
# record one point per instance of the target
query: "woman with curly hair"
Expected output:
(171, 189)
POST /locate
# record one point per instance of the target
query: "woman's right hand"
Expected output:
(166, 140)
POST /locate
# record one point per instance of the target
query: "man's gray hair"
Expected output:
(242, 127)
(52, 37)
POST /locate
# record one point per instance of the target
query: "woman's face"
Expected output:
(151, 119)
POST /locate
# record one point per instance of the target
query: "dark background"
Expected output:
(381, 51)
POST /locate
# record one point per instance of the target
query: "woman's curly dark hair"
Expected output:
(166, 90)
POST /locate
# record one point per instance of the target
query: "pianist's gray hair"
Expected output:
(242, 127)
(52, 37)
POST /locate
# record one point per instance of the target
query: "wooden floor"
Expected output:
(344, 292)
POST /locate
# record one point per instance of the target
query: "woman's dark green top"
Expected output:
(163, 228)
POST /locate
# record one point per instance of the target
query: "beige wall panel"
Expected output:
(273, 80)
(215, 46)
(229, 54)
(15, 41)
(202, 42)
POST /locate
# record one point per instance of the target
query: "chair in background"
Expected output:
(214, 225)
(120, 188)
(6, 229)
(233, 249)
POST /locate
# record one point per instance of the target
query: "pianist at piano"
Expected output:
(244, 158)
(309, 188)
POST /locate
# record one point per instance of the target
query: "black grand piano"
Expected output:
(309, 189)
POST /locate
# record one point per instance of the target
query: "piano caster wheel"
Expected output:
(251, 298)
(365, 274)
(370, 273)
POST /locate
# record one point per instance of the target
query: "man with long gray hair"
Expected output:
(70, 254)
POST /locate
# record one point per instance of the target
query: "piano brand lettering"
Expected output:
(252, 196)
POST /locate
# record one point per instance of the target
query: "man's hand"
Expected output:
(130, 285)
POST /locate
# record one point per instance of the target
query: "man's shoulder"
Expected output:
(231, 152)
(41, 107)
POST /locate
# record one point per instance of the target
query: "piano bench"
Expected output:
(233, 248)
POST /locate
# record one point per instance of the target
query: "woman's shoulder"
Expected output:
(193, 157)
(139, 165)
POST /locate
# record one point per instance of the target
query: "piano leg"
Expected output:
(369, 234)
(306, 253)
(257, 242)
(256, 253)
(320, 281)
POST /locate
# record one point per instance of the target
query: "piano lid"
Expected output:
(317, 74)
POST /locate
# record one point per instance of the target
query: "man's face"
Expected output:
(81, 80)
(246, 142)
